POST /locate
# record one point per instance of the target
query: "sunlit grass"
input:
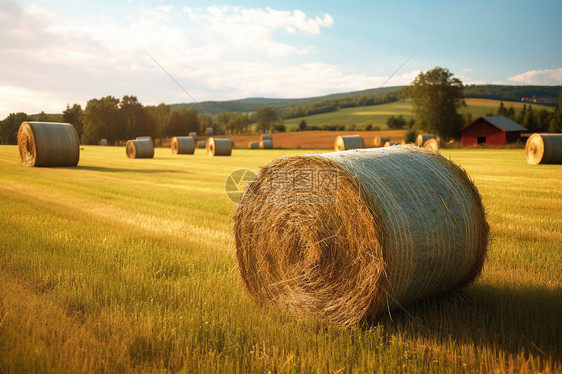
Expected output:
(124, 265)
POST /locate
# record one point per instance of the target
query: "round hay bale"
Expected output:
(193, 134)
(345, 142)
(140, 148)
(380, 141)
(103, 142)
(432, 144)
(266, 144)
(264, 137)
(201, 144)
(422, 138)
(184, 145)
(345, 236)
(254, 145)
(390, 144)
(219, 147)
(209, 131)
(48, 144)
(544, 149)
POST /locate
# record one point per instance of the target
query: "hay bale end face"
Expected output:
(544, 149)
(139, 148)
(219, 147)
(346, 142)
(380, 141)
(422, 138)
(373, 228)
(432, 144)
(183, 145)
(48, 144)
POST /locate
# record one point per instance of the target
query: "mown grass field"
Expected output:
(377, 115)
(123, 265)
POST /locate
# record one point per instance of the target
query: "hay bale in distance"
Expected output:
(544, 149)
(390, 144)
(266, 144)
(48, 144)
(193, 134)
(183, 145)
(380, 141)
(348, 235)
(266, 137)
(422, 138)
(201, 144)
(254, 145)
(140, 148)
(209, 131)
(103, 142)
(219, 147)
(345, 142)
(432, 144)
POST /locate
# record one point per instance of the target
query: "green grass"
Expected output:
(377, 115)
(124, 265)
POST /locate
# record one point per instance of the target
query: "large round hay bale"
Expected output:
(48, 144)
(432, 144)
(348, 235)
(422, 138)
(254, 145)
(345, 142)
(381, 140)
(103, 142)
(544, 149)
(139, 148)
(209, 131)
(183, 145)
(219, 147)
(266, 144)
(201, 144)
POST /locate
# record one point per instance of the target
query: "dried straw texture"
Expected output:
(422, 138)
(48, 144)
(254, 145)
(139, 148)
(544, 149)
(345, 142)
(390, 144)
(266, 144)
(403, 223)
(432, 144)
(183, 145)
(219, 147)
(380, 141)
(103, 142)
(209, 131)
(201, 144)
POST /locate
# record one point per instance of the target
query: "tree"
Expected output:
(436, 99)
(101, 119)
(160, 115)
(205, 121)
(555, 124)
(9, 127)
(266, 117)
(302, 125)
(73, 115)
(501, 110)
(183, 121)
(396, 123)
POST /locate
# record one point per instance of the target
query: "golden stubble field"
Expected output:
(124, 265)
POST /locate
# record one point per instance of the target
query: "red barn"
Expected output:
(490, 131)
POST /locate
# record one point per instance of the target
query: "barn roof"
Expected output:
(502, 123)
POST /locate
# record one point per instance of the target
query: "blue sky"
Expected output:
(54, 53)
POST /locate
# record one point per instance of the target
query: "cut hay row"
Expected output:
(345, 142)
(544, 149)
(372, 231)
(183, 145)
(140, 148)
(48, 144)
(422, 138)
(219, 147)
(380, 141)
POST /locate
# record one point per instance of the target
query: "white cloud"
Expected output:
(467, 70)
(539, 77)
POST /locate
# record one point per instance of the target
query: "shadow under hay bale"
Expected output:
(422, 138)
(219, 147)
(48, 144)
(345, 142)
(349, 235)
(380, 141)
(140, 148)
(544, 149)
(182, 145)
